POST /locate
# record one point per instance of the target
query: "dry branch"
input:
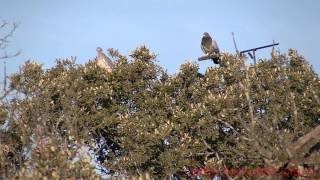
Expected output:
(6, 56)
(305, 142)
(5, 39)
(303, 145)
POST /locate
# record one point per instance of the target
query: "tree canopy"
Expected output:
(139, 120)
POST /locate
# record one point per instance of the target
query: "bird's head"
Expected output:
(206, 34)
(99, 49)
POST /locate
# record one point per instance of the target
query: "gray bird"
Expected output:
(103, 61)
(209, 46)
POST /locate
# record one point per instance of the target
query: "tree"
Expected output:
(138, 120)
(6, 138)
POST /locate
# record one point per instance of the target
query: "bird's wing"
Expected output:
(215, 45)
(206, 44)
(109, 61)
(101, 55)
(203, 49)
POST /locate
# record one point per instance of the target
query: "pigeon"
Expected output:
(104, 61)
(210, 47)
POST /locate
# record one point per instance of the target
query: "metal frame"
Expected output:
(253, 50)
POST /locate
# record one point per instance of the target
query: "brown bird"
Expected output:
(210, 47)
(103, 61)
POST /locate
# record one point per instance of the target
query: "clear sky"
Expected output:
(170, 28)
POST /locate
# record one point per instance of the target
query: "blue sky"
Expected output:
(172, 29)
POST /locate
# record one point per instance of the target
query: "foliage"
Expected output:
(139, 119)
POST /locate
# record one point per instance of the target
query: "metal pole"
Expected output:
(254, 57)
(262, 47)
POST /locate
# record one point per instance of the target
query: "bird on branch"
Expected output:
(104, 61)
(210, 47)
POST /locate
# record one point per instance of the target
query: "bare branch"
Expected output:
(207, 145)
(4, 23)
(6, 56)
(5, 95)
(234, 130)
(305, 142)
(5, 40)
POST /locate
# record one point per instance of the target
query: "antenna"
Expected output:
(253, 50)
(235, 44)
(273, 53)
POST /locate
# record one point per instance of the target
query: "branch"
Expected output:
(312, 159)
(5, 95)
(5, 39)
(234, 130)
(4, 23)
(305, 142)
(6, 56)
(207, 145)
(247, 94)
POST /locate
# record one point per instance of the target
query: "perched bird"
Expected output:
(210, 47)
(103, 61)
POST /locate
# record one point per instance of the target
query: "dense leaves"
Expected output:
(138, 119)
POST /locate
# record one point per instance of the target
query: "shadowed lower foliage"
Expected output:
(138, 120)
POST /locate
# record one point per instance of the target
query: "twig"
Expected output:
(247, 94)
(4, 95)
(233, 129)
(207, 145)
(5, 40)
(4, 23)
(6, 56)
